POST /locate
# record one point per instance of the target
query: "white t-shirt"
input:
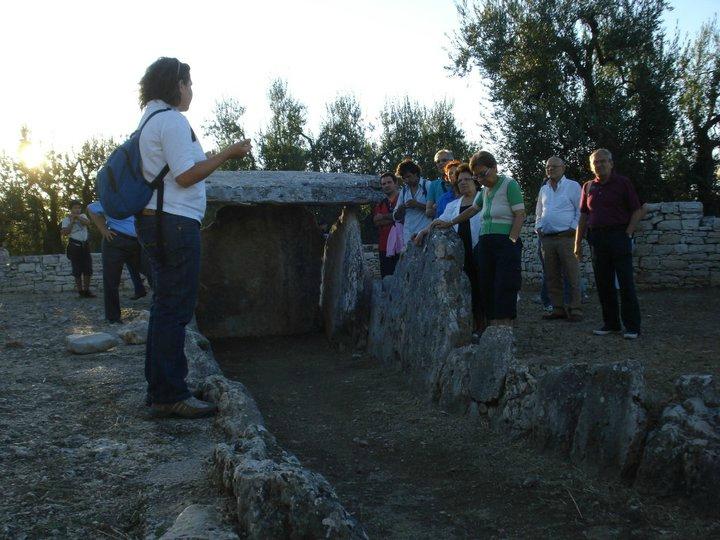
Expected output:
(167, 139)
(79, 230)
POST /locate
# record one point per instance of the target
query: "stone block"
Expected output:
(90, 343)
(346, 283)
(669, 207)
(487, 370)
(669, 225)
(673, 264)
(560, 395)
(663, 250)
(26, 267)
(649, 263)
(200, 521)
(669, 238)
(642, 250)
(680, 248)
(612, 422)
(690, 206)
(134, 333)
(690, 224)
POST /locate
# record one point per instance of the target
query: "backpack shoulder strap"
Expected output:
(151, 115)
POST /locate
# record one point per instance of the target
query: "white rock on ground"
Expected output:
(90, 343)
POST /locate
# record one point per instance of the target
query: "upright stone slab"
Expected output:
(560, 396)
(612, 423)
(422, 312)
(260, 272)
(346, 283)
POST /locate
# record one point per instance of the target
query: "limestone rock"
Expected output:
(489, 368)
(292, 187)
(516, 410)
(682, 455)
(276, 497)
(260, 273)
(560, 395)
(134, 333)
(422, 312)
(199, 522)
(612, 423)
(346, 283)
(90, 343)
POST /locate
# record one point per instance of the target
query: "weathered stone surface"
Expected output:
(612, 422)
(199, 522)
(260, 272)
(489, 368)
(276, 497)
(560, 395)
(346, 283)
(428, 277)
(516, 411)
(90, 343)
(134, 333)
(292, 187)
(682, 455)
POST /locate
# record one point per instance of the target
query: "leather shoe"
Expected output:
(138, 296)
(187, 408)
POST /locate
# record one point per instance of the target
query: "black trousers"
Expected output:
(498, 262)
(121, 250)
(387, 264)
(80, 258)
(612, 256)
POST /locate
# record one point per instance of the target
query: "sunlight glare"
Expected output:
(31, 155)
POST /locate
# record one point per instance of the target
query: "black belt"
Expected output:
(123, 235)
(567, 232)
(77, 242)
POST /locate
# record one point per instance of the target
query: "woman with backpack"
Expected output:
(169, 230)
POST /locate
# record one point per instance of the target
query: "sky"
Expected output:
(71, 68)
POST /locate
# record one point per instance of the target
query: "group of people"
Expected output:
(487, 212)
(484, 207)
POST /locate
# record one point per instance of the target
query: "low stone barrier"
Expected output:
(598, 416)
(49, 273)
(675, 246)
(276, 497)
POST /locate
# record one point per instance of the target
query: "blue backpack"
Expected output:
(120, 184)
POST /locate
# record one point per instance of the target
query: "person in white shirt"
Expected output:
(75, 227)
(412, 200)
(556, 219)
(171, 237)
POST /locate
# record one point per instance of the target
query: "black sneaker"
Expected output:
(88, 294)
(605, 330)
(137, 296)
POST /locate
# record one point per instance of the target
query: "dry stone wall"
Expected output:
(675, 246)
(48, 273)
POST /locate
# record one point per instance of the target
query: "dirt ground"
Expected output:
(680, 334)
(408, 470)
(79, 455)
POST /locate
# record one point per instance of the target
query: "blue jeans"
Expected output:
(174, 297)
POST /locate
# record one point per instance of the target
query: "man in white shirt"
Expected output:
(556, 218)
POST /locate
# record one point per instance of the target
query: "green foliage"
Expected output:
(569, 76)
(699, 105)
(225, 128)
(409, 129)
(35, 199)
(284, 146)
(342, 144)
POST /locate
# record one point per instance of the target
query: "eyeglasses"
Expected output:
(550, 167)
(483, 174)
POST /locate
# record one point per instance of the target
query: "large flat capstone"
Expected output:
(292, 187)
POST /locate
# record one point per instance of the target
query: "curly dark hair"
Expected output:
(407, 165)
(161, 81)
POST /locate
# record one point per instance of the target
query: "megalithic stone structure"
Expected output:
(263, 252)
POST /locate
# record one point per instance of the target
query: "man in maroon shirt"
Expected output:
(610, 211)
(383, 219)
